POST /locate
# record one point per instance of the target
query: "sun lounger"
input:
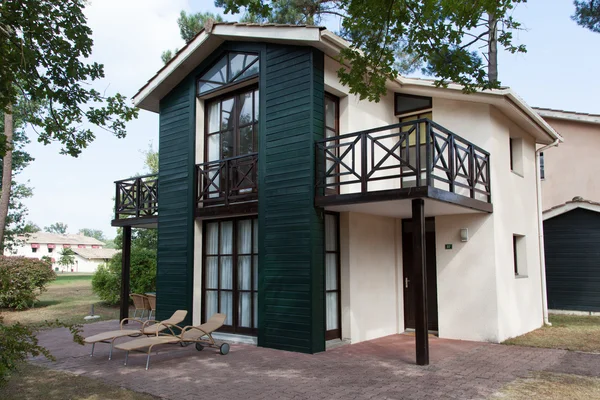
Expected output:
(150, 328)
(201, 335)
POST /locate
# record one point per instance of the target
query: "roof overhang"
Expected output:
(568, 115)
(188, 58)
(570, 206)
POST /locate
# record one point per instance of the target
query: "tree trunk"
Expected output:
(493, 49)
(6, 173)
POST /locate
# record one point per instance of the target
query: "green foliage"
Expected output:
(30, 227)
(106, 282)
(189, 26)
(44, 45)
(67, 258)
(587, 14)
(151, 159)
(444, 34)
(288, 12)
(93, 233)
(57, 227)
(22, 280)
(17, 342)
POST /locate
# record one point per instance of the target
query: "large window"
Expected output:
(332, 277)
(408, 150)
(231, 68)
(231, 273)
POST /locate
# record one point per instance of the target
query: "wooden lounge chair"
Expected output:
(140, 302)
(201, 335)
(149, 327)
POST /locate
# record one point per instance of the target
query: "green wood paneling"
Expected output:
(174, 277)
(291, 255)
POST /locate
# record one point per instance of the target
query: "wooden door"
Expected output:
(407, 261)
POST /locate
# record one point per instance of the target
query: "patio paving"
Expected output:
(377, 369)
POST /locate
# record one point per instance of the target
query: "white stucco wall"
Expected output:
(81, 264)
(371, 303)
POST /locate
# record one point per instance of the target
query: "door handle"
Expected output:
(406, 280)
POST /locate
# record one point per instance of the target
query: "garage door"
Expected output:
(572, 245)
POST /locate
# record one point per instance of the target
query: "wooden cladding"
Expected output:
(137, 197)
(406, 155)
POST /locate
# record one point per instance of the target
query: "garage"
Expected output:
(572, 249)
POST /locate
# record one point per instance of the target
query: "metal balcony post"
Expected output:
(363, 164)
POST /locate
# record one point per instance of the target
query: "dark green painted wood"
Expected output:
(572, 246)
(176, 190)
(291, 231)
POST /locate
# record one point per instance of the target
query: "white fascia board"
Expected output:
(569, 116)
(268, 33)
(565, 208)
(158, 79)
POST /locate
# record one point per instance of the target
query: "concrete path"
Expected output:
(377, 369)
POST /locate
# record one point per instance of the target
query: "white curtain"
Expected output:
(212, 272)
(214, 116)
(211, 303)
(245, 309)
(245, 236)
(227, 237)
(212, 238)
(227, 307)
(331, 272)
(330, 233)
(332, 311)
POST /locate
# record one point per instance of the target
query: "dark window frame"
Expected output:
(236, 127)
(230, 81)
(334, 333)
(415, 110)
(511, 148)
(235, 328)
(542, 166)
(336, 132)
(515, 255)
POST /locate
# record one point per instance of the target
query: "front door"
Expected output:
(231, 273)
(407, 261)
(332, 277)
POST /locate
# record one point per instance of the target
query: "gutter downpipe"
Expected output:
(538, 188)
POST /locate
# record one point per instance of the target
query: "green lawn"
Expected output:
(570, 332)
(68, 299)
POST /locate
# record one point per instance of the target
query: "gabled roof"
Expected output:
(210, 38)
(577, 202)
(95, 254)
(55, 238)
(568, 115)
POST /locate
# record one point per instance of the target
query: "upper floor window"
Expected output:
(516, 155)
(408, 103)
(231, 68)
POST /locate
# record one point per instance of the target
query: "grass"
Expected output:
(68, 299)
(38, 383)
(551, 386)
(569, 332)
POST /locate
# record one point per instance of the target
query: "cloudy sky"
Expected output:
(560, 70)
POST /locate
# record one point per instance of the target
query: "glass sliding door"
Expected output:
(231, 273)
(332, 277)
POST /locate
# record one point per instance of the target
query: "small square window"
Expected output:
(519, 256)
(34, 250)
(50, 249)
(542, 171)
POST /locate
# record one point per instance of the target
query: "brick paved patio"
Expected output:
(382, 368)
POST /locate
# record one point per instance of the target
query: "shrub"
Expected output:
(18, 341)
(106, 282)
(22, 280)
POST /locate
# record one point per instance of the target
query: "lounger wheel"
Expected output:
(184, 344)
(199, 347)
(224, 349)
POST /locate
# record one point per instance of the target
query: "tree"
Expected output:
(30, 227)
(587, 14)
(444, 34)
(189, 26)
(93, 233)
(151, 159)
(67, 258)
(43, 47)
(57, 227)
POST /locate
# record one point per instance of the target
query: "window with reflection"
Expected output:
(231, 68)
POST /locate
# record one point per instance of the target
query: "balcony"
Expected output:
(416, 159)
(136, 202)
(228, 186)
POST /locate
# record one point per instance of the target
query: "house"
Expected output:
(306, 214)
(571, 204)
(89, 252)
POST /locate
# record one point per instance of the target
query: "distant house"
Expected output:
(571, 204)
(89, 252)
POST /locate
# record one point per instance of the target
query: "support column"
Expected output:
(125, 270)
(420, 282)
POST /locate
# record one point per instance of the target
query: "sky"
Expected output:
(559, 70)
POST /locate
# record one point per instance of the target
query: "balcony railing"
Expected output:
(228, 181)
(411, 154)
(137, 197)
